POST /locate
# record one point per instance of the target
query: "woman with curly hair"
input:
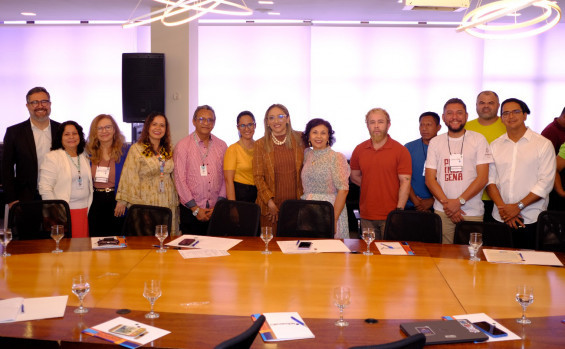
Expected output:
(107, 149)
(147, 176)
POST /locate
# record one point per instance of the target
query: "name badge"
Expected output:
(456, 162)
(203, 171)
(102, 174)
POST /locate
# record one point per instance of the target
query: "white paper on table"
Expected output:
(153, 333)
(198, 253)
(10, 309)
(329, 245)
(206, 242)
(286, 328)
(391, 248)
(42, 308)
(484, 317)
(522, 257)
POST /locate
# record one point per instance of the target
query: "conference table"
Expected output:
(208, 300)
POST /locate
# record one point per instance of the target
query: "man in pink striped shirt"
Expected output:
(199, 175)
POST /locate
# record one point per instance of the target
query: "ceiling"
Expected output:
(327, 10)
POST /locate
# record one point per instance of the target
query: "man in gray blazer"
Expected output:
(25, 145)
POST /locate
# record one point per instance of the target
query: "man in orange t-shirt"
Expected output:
(382, 167)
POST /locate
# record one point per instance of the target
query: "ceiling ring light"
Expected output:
(200, 8)
(476, 22)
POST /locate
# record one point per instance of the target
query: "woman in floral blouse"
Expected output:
(147, 174)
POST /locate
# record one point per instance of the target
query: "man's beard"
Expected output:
(455, 130)
(378, 138)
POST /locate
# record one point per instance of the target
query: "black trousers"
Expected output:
(245, 192)
(101, 220)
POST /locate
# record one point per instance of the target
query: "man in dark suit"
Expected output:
(25, 145)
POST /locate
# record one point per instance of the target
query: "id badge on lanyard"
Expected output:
(456, 162)
(102, 174)
(203, 170)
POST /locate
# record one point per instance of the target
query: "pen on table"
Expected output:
(172, 247)
(520, 254)
(386, 245)
(22, 309)
(194, 244)
(297, 242)
(295, 319)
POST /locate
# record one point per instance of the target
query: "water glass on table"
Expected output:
(57, 233)
(524, 296)
(475, 243)
(80, 288)
(5, 238)
(266, 236)
(151, 292)
(368, 236)
(161, 233)
(342, 298)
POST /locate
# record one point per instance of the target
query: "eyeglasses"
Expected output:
(43, 102)
(514, 112)
(452, 113)
(208, 120)
(244, 126)
(105, 128)
(275, 117)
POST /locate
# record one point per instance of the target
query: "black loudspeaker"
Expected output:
(143, 85)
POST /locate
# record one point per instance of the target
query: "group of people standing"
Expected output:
(101, 176)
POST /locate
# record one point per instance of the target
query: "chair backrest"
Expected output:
(31, 220)
(413, 226)
(494, 234)
(245, 339)
(306, 219)
(234, 218)
(142, 219)
(551, 231)
(416, 341)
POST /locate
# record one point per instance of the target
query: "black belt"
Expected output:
(104, 190)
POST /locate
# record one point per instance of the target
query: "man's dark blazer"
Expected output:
(19, 150)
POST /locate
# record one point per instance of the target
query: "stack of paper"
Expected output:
(20, 309)
(317, 246)
(283, 327)
(125, 332)
(522, 257)
(394, 248)
(203, 246)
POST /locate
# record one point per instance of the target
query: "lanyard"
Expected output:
(449, 148)
(202, 157)
(77, 165)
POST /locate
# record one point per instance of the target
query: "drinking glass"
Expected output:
(475, 242)
(57, 233)
(80, 287)
(342, 298)
(266, 235)
(524, 296)
(152, 291)
(5, 239)
(368, 237)
(161, 233)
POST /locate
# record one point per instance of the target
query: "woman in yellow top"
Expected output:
(238, 162)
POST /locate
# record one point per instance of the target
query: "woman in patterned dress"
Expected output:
(325, 173)
(147, 176)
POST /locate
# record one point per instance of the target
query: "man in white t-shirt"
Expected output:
(522, 174)
(457, 170)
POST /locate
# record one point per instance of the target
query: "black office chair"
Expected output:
(245, 339)
(30, 220)
(306, 219)
(551, 231)
(413, 226)
(234, 218)
(142, 219)
(416, 341)
(494, 234)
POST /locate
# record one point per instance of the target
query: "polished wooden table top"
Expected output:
(208, 300)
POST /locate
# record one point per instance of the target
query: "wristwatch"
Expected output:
(462, 201)
(195, 212)
(521, 205)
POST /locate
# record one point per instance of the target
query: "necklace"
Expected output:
(77, 165)
(276, 141)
